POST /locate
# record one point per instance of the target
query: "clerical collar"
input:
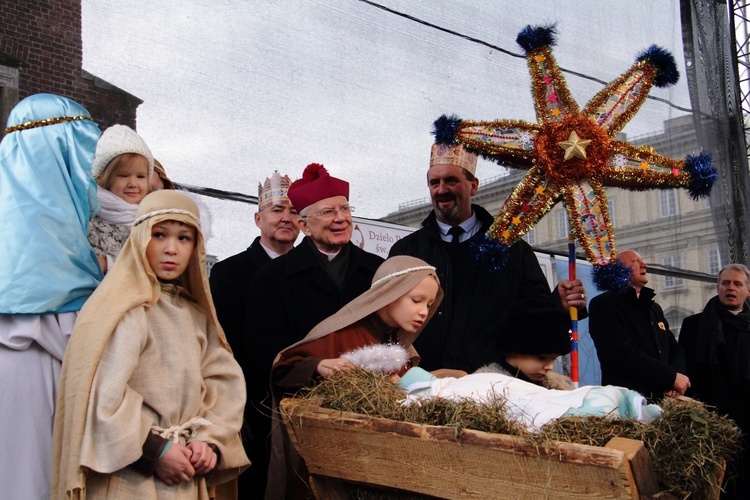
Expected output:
(471, 226)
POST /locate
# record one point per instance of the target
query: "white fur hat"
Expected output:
(117, 140)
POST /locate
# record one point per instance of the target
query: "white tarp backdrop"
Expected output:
(235, 89)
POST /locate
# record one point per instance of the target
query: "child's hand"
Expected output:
(174, 466)
(327, 366)
(203, 458)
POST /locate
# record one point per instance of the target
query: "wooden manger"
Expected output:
(343, 447)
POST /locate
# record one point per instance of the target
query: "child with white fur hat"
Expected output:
(122, 167)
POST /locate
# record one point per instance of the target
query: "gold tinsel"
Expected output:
(43, 123)
(578, 182)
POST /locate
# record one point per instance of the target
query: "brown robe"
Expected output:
(297, 366)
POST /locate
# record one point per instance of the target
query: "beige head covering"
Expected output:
(393, 279)
(129, 284)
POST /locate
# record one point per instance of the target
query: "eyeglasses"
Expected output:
(330, 213)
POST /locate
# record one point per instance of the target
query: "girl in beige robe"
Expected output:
(148, 369)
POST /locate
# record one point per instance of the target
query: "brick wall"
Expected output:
(42, 39)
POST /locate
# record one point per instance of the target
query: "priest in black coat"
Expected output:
(293, 293)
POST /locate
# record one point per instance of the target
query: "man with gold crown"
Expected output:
(230, 282)
(464, 333)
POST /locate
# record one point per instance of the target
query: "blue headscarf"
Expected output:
(47, 195)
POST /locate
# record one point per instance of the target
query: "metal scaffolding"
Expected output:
(738, 16)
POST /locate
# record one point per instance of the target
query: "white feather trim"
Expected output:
(380, 358)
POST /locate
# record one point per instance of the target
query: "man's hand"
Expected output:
(681, 384)
(174, 466)
(327, 366)
(203, 458)
(572, 294)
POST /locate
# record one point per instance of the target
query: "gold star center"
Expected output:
(574, 146)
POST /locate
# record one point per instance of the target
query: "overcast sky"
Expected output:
(235, 89)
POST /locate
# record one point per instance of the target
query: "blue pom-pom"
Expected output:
(446, 129)
(702, 174)
(490, 253)
(666, 68)
(612, 277)
(532, 37)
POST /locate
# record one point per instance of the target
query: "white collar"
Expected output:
(471, 226)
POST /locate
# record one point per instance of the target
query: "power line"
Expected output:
(505, 51)
(218, 193)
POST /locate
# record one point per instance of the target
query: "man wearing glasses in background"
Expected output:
(292, 294)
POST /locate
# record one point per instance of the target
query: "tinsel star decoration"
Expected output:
(571, 155)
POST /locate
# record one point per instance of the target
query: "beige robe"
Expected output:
(159, 369)
(101, 425)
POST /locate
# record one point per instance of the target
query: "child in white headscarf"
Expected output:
(151, 398)
(123, 165)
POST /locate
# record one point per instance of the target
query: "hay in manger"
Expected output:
(351, 428)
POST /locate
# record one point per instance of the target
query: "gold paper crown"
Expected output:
(453, 155)
(274, 191)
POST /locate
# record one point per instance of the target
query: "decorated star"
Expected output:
(574, 146)
(571, 155)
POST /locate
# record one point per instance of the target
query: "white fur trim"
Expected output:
(380, 358)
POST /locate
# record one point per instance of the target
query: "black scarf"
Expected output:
(724, 337)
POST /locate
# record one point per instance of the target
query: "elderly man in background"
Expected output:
(230, 287)
(717, 351)
(635, 347)
(293, 293)
(464, 334)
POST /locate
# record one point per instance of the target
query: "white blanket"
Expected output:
(533, 405)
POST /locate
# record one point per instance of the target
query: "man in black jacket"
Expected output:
(230, 281)
(717, 351)
(635, 347)
(463, 335)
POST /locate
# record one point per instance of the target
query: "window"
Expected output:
(530, 237)
(714, 261)
(673, 281)
(563, 226)
(668, 202)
